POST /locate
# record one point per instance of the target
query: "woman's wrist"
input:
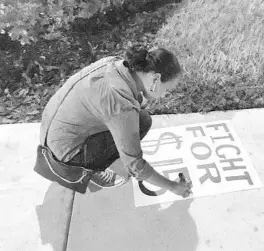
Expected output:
(172, 185)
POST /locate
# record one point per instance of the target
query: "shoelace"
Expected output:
(107, 175)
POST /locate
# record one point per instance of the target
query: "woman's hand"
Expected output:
(182, 188)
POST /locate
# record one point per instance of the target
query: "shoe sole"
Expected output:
(118, 185)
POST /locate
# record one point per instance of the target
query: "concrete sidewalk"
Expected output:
(34, 213)
(38, 215)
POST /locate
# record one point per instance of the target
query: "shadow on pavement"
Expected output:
(55, 213)
(54, 216)
(186, 235)
(173, 227)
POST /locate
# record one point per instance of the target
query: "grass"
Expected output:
(220, 46)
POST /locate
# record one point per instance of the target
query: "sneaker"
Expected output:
(107, 179)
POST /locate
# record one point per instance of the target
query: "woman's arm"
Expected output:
(125, 131)
(182, 188)
(160, 181)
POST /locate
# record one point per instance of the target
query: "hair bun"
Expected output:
(135, 58)
(126, 64)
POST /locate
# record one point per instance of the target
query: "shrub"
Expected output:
(28, 20)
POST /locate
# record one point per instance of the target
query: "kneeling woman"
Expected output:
(96, 118)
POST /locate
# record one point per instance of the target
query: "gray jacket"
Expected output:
(103, 97)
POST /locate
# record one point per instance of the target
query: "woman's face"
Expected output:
(154, 88)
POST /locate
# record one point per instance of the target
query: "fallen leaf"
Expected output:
(28, 99)
(23, 92)
(27, 119)
(45, 92)
(50, 68)
(34, 107)
(2, 108)
(33, 112)
(7, 121)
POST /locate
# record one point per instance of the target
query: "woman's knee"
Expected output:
(145, 122)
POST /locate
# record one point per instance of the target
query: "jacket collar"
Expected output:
(126, 75)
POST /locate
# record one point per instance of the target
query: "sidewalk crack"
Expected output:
(67, 232)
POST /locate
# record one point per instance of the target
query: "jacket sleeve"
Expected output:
(119, 111)
(125, 131)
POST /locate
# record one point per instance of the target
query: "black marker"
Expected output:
(182, 177)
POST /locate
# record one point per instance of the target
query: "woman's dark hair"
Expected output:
(159, 60)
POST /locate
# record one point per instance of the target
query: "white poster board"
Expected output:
(210, 154)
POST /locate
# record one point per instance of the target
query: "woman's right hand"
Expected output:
(182, 188)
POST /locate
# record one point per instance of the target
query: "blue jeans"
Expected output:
(99, 150)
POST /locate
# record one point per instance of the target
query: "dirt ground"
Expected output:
(31, 74)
